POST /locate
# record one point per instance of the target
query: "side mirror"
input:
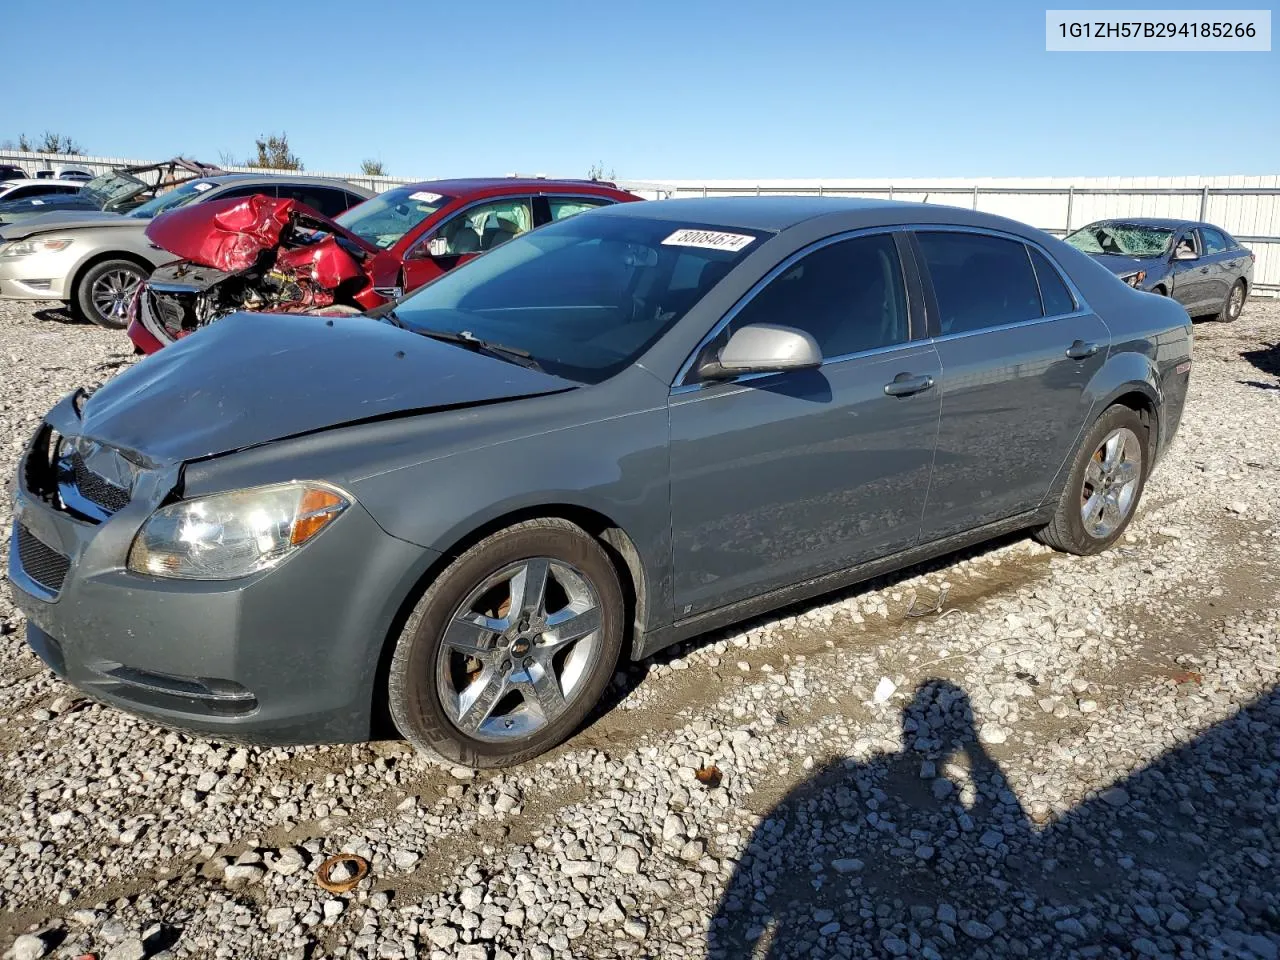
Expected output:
(763, 348)
(1184, 253)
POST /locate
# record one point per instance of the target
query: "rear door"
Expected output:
(1216, 257)
(781, 477)
(1017, 348)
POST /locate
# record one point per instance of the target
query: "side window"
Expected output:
(239, 193)
(979, 280)
(848, 295)
(326, 200)
(1053, 291)
(1214, 242)
(562, 208)
(486, 225)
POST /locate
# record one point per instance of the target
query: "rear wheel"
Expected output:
(1102, 491)
(105, 291)
(510, 647)
(1233, 306)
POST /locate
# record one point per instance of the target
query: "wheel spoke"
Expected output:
(1111, 451)
(1125, 472)
(568, 625)
(1093, 472)
(547, 698)
(529, 587)
(473, 634)
(475, 708)
(1091, 512)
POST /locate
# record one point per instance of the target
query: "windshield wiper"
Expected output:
(466, 338)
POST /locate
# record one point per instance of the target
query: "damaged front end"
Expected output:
(259, 255)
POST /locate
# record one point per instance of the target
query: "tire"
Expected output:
(500, 707)
(102, 296)
(1233, 306)
(1068, 531)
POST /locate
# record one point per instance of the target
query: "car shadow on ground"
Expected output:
(59, 315)
(631, 674)
(927, 853)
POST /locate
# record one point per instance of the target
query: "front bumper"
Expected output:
(41, 276)
(289, 655)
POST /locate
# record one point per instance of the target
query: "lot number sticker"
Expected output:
(710, 239)
(425, 197)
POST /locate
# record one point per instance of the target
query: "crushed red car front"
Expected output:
(258, 254)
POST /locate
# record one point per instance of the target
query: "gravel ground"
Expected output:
(1009, 753)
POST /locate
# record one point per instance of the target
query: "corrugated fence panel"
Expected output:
(1041, 201)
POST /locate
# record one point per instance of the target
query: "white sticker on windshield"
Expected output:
(201, 187)
(37, 203)
(711, 239)
(425, 197)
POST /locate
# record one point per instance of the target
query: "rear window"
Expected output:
(979, 280)
(1053, 291)
(1214, 241)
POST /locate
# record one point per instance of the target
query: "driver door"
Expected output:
(779, 478)
(1191, 280)
(465, 235)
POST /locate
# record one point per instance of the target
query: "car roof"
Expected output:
(466, 186)
(1167, 223)
(229, 178)
(778, 213)
(28, 181)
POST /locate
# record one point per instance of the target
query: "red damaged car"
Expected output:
(269, 255)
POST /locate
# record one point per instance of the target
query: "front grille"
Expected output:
(41, 562)
(95, 489)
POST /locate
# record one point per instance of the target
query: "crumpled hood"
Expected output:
(252, 378)
(229, 235)
(68, 220)
(1120, 265)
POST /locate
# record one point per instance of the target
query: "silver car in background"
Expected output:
(94, 261)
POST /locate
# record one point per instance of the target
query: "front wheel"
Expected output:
(510, 647)
(1234, 304)
(105, 291)
(1102, 491)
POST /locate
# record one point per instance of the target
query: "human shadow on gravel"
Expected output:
(879, 858)
(1267, 359)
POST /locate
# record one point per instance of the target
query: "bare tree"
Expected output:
(58, 143)
(373, 168)
(49, 143)
(273, 153)
(597, 172)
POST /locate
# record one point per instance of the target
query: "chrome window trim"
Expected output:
(680, 386)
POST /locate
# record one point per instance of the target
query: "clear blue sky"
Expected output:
(659, 89)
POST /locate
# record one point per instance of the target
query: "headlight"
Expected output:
(232, 535)
(25, 248)
(1135, 279)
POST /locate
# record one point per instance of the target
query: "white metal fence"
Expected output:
(1247, 207)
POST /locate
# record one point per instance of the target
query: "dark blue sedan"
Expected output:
(1201, 266)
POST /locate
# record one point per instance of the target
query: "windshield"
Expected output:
(585, 296)
(1126, 239)
(110, 187)
(179, 196)
(386, 218)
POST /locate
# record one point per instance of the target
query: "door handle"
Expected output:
(905, 384)
(1082, 351)
(1204, 269)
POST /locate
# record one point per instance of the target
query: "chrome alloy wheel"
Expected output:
(1236, 303)
(1111, 483)
(112, 292)
(518, 649)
